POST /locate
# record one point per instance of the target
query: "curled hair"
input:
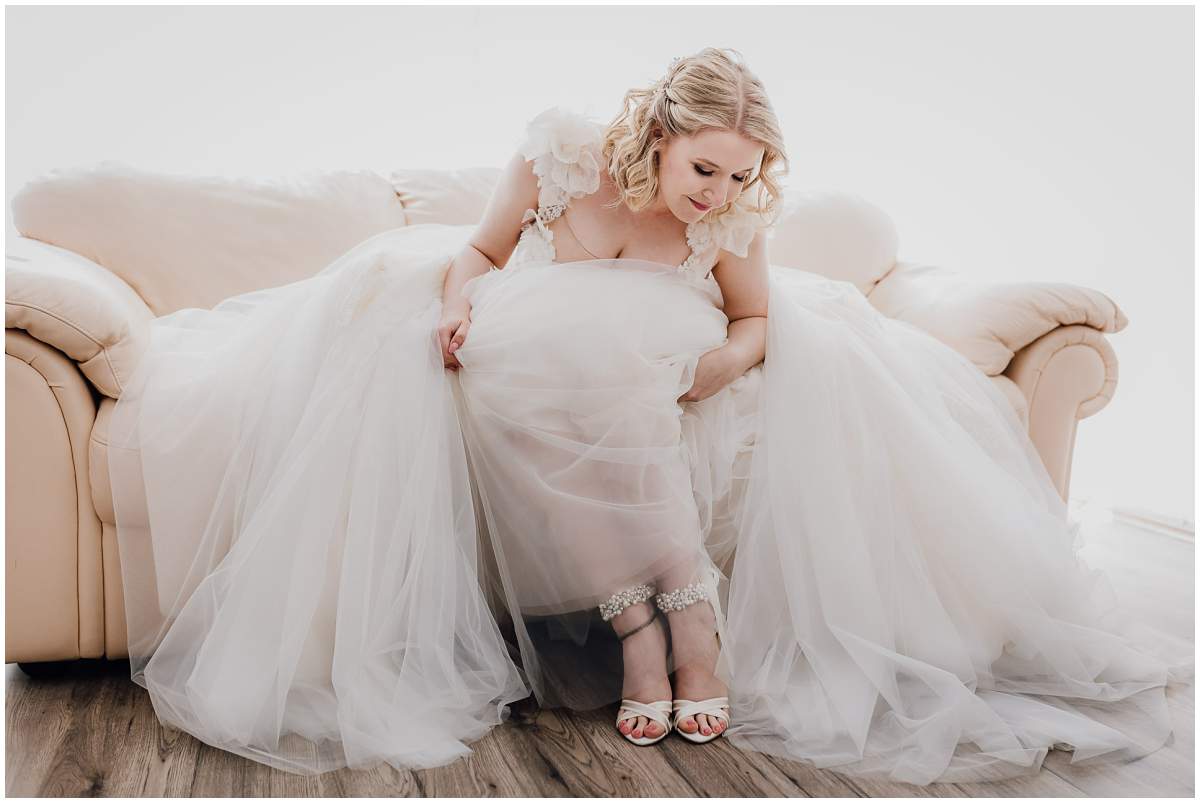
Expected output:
(712, 89)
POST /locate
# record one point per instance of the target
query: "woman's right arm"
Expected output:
(491, 244)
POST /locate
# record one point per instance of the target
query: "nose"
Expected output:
(715, 197)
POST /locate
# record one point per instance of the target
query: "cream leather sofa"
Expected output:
(106, 249)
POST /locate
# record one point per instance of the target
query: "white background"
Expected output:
(1043, 143)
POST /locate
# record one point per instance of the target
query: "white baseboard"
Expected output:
(1156, 522)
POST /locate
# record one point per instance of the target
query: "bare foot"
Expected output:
(644, 655)
(694, 642)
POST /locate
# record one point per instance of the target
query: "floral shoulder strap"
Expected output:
(564, 147)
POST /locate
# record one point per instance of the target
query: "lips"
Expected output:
(698, 205)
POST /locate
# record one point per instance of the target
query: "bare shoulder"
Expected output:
(744, 279)
(499, 229)
(602, 212)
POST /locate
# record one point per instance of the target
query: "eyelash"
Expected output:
(741, 180)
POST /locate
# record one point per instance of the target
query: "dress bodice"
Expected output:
(565, 149)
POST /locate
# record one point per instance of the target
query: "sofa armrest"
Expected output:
(1032, 366)
(77, 306)
(988, 322)
(1066, 375)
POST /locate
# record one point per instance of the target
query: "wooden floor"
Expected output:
(92, 732)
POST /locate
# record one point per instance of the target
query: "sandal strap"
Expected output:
(711, 707)
(624, 598)
(644, 624)
(659, 711)
(681, 597)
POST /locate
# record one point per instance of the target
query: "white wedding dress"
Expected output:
(336, 552)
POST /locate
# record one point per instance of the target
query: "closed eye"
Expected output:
(701, 171)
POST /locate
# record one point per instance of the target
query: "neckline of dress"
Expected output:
(689, 231)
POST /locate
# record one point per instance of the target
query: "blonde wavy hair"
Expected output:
(710, 89)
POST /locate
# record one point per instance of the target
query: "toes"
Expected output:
(688, 725)
(705, 727)
(625, 726)
(639, 728)
(653, 729)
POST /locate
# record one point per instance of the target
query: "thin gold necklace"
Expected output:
(576, 236)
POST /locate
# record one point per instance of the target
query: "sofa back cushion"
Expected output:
(838, 235)
(193, 241)
(444, 196)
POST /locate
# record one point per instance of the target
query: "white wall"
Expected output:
(1051, 143)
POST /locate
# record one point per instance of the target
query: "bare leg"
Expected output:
(644, 655)
(695, 649)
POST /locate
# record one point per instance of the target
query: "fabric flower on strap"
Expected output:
(731, 231)
(734, 230)
(565, 149)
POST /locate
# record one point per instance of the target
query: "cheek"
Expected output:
(676, 180)
(669, 180)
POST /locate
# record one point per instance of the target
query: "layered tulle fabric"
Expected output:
(335, 552)
(907, 600)
(594, 476)
(295, 523)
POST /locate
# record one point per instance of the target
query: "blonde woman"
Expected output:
(596, 449)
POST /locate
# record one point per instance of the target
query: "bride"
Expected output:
(595, 449)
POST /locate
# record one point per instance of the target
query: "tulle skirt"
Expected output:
(326, 537)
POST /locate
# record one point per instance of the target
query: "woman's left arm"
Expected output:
(744, 286)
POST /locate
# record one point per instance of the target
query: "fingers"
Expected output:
(451, 335)
(460, 336)
(456, 342)
(444, 331)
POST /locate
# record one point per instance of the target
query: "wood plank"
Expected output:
(78, 765)
(37, 719)
(161, 761)
(830, 783)
(506, 763)
(1167, 772)
(635, 771)
(718, 769)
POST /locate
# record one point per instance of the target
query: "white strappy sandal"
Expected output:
(717, 707)
(660, 710)
(712, 707)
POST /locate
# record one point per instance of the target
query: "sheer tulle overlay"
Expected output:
(335, 552)
(297, 540)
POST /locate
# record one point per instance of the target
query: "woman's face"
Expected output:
(705, 171)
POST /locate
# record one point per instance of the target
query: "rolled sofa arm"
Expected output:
(1066, 375)
(77, 306)
(989, 322)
